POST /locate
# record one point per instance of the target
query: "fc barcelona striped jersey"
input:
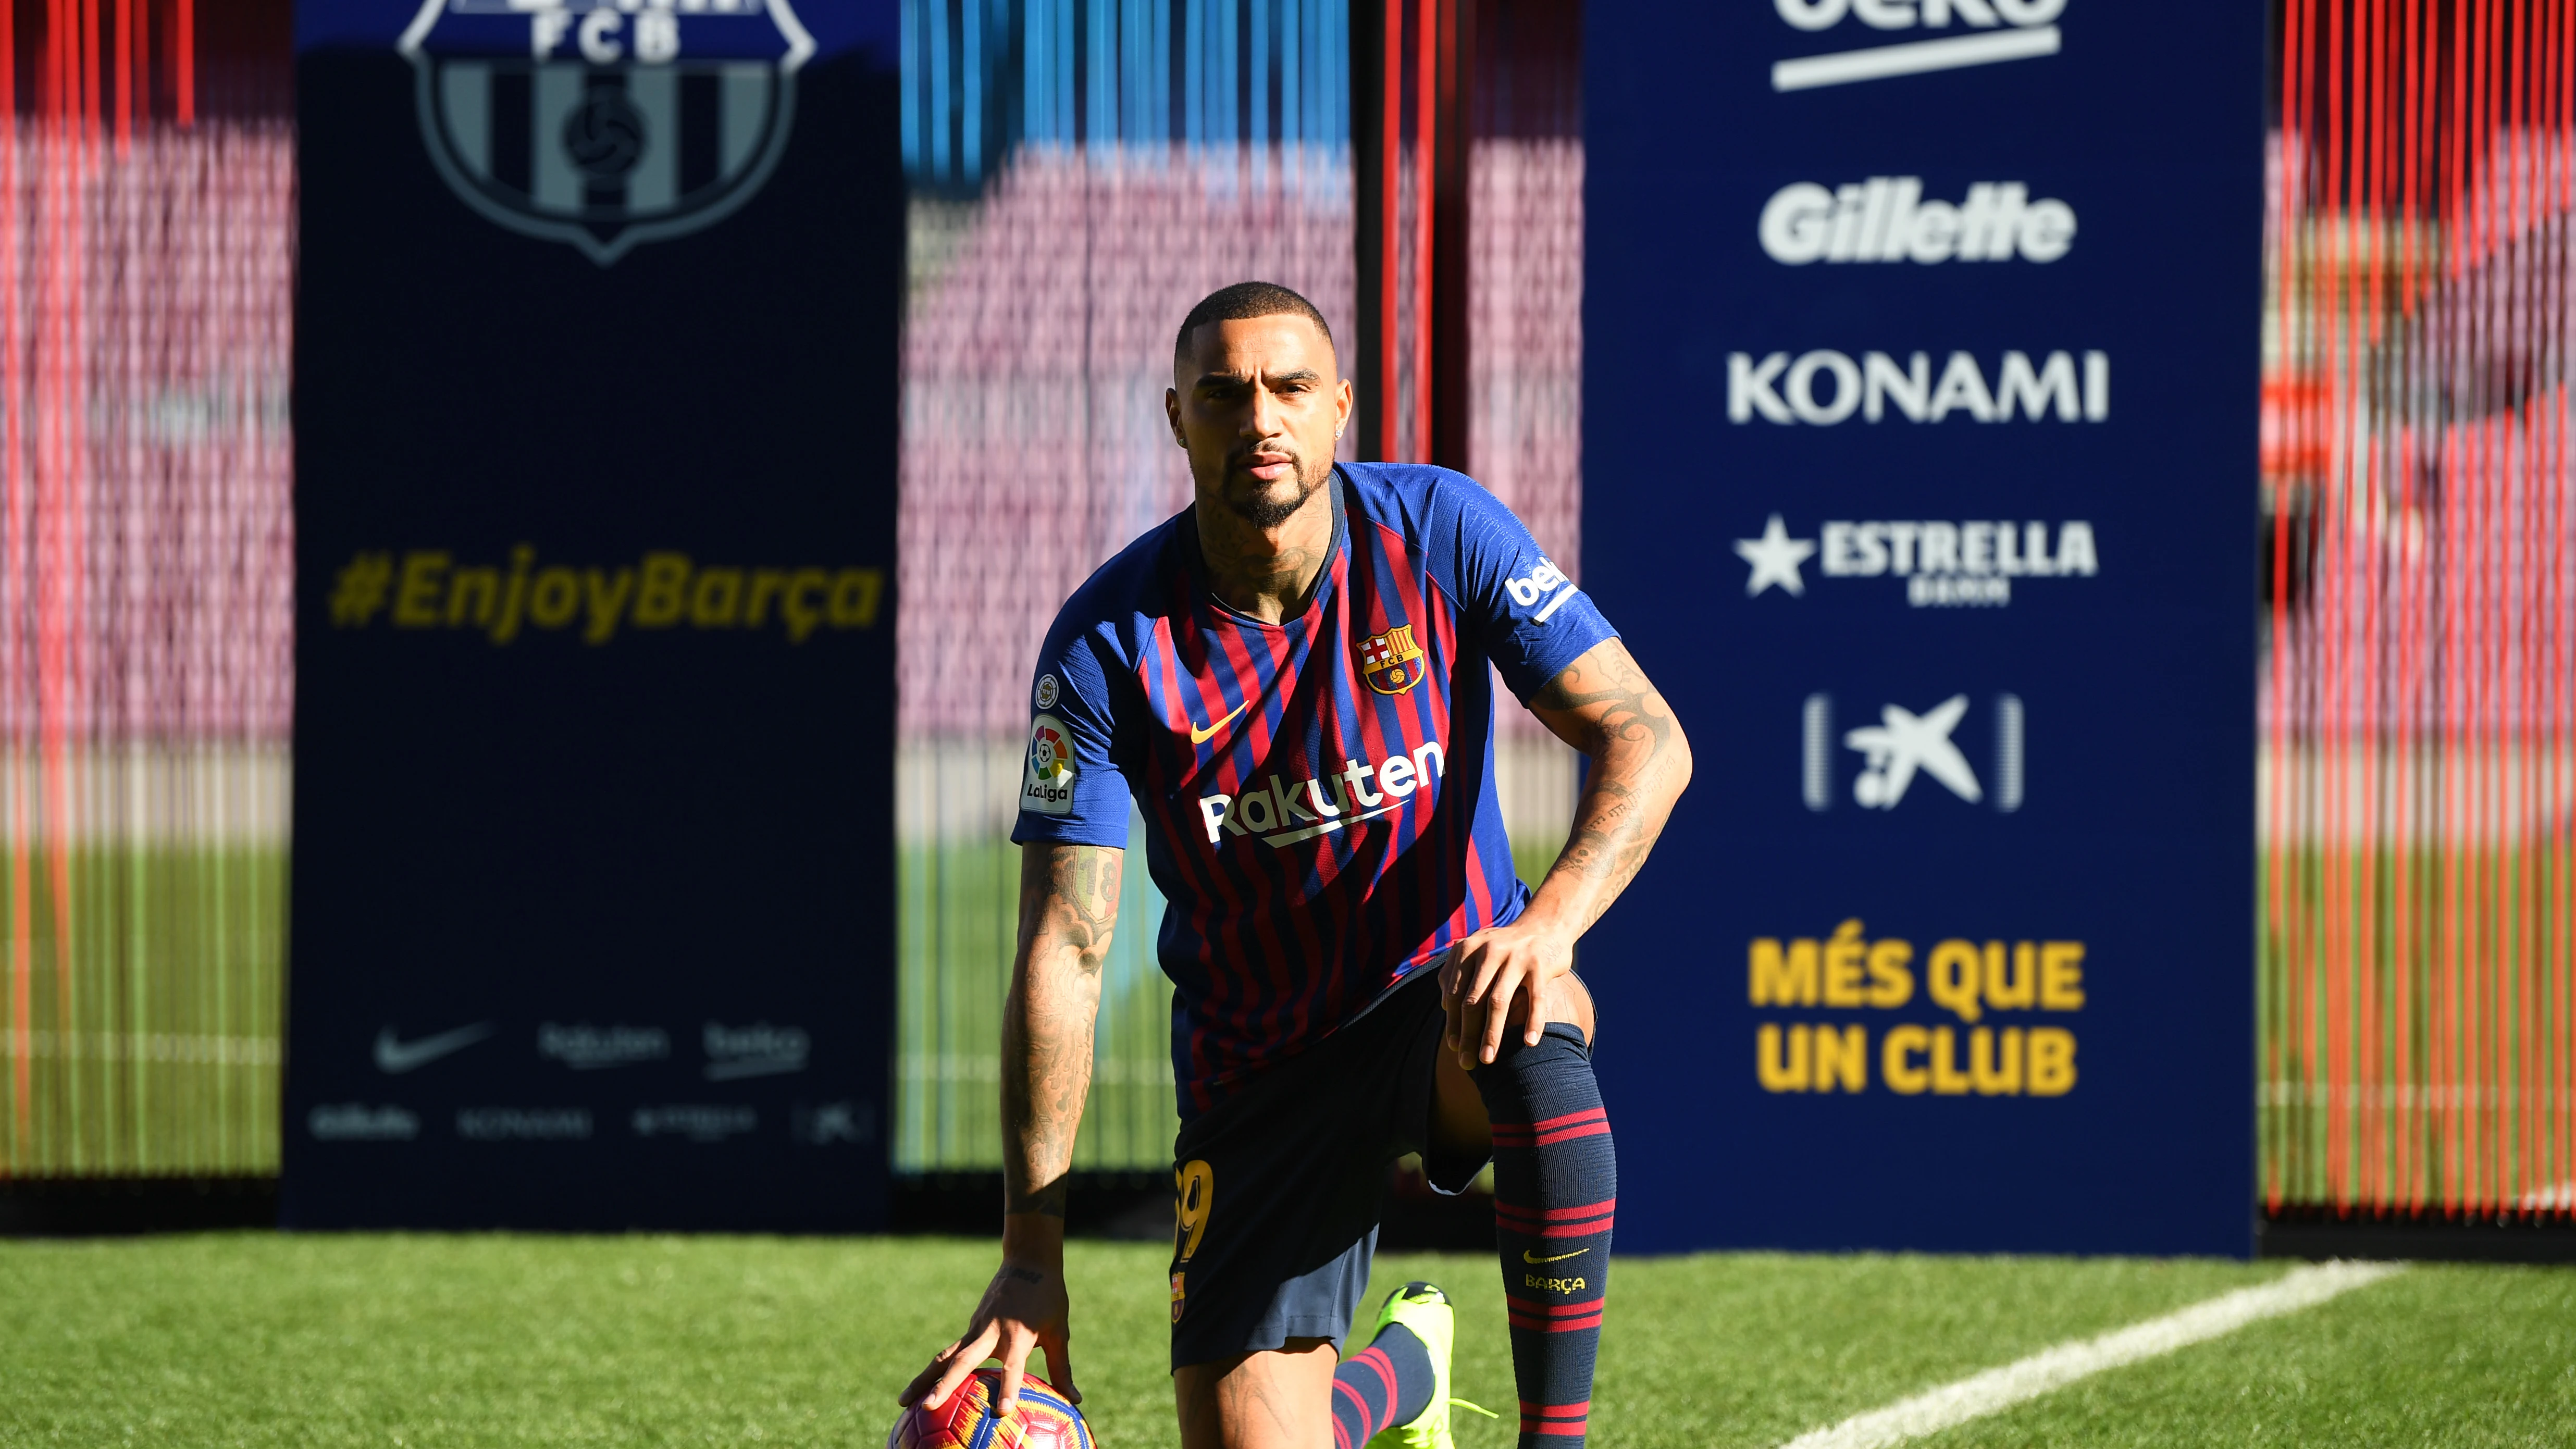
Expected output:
(1318, 794)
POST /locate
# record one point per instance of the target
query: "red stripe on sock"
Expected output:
(1557, 1325)
(1519, 1133)
(1384, 1367)
(1596, 1114)
(1557, 1228)
(1341, 1436)
(1557, 1214)
(1366, 1417)
(1551, 1310)
(1570, 1228)
(1554, 1418)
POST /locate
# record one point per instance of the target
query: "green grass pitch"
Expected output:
(262, 1339)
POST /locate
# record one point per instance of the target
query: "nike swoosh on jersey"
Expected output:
(1529, 1257)
(1200, 736)
(395, 1056)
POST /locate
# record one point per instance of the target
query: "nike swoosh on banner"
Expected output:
(394, 1056)
(1329, 826)
(1527, 1257)
(1200, 736)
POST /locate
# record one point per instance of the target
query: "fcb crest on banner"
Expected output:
(605, 123)
(1391, 662)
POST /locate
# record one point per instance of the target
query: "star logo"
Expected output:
(1775, 557)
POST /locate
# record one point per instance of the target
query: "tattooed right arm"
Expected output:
(1068, 908)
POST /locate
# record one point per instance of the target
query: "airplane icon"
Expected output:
(1902, 743)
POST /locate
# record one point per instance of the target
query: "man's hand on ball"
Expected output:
(1024, 1308)
(1498, 978)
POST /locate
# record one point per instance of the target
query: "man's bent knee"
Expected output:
(1459, 1121)
(1275, 1399)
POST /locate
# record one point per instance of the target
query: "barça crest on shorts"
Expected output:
(605, 123)
(1391, 662)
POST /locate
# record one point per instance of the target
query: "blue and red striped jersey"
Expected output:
(1318, 794)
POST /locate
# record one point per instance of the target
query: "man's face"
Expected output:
(1257, 404)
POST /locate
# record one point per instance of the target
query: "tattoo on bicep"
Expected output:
(1620, 704)
(1079, 901)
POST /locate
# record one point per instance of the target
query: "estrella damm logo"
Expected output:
(605, 123)
(1391, 662)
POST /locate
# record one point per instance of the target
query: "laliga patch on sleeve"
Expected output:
(1048, 786)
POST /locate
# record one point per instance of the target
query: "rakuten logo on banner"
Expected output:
(1886, 219)
(1992, 31)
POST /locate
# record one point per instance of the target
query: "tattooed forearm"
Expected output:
(1068, 909)
(1612, 835)
(1604, 705)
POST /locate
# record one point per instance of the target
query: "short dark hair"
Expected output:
(1243, 301)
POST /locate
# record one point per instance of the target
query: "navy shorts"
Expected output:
(1279, 1186)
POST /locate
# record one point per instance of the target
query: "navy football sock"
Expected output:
(1385, 1384)
(1555, 1184)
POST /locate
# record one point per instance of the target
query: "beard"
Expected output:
(1265, 509)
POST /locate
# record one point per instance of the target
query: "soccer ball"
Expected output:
(1044, 1419)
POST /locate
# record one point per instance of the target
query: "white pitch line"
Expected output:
(2051, 1369)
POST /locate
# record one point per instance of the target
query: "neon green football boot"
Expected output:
(1424, 1311)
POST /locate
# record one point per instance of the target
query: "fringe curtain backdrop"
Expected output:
(2418, 770)
(146, 601)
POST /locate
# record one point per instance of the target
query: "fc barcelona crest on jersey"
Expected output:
(605, 123)
(1391, 662)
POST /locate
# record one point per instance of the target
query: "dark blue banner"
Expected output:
(595, 413)
(1920, 411)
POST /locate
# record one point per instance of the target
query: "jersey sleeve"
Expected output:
(1072, 790)
(1528, 614)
